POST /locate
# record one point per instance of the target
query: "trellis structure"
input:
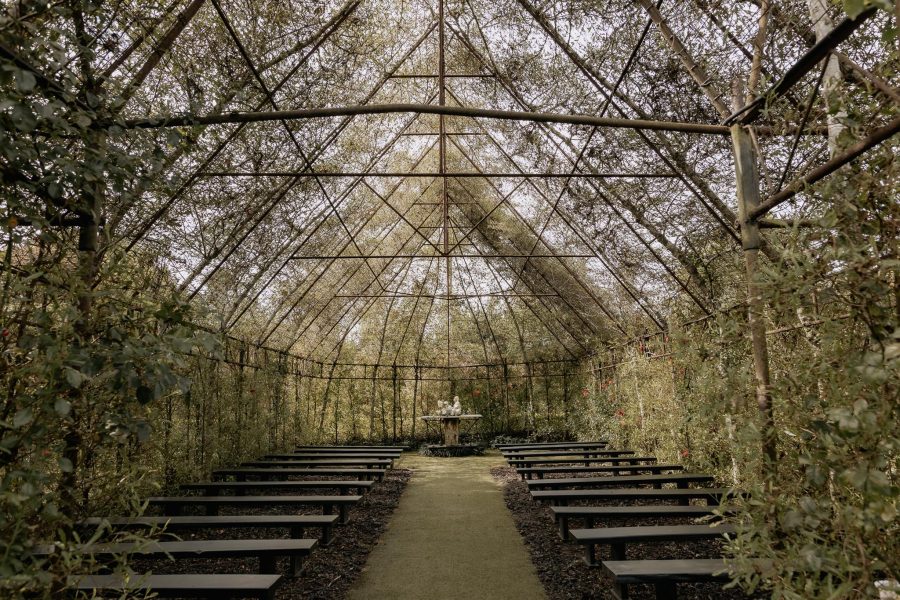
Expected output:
(323, 181)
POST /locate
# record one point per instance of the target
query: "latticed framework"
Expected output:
(434, 169)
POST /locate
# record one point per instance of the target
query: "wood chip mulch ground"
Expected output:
(330, 571)
(560, 566)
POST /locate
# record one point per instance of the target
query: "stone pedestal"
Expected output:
(450, 431)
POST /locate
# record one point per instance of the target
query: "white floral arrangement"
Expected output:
(450, 409)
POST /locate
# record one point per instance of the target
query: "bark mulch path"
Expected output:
(560, 566)
(329, 571)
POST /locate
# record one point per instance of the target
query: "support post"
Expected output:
(747, 179)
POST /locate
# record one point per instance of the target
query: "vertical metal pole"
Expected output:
(442, 169)
(747, 178)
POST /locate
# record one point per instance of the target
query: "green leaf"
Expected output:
(74, 377)
(23, 417)
(25, 80)
(62, 407)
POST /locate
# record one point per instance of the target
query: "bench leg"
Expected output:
(343, 491)
(590, 558)
(267, 565)
(666, 590)
(617, 552)
(345, 513)
(212, 510)
(326, 535)
(296, 565)
(589, 522)
(563, 526)
(296, 533)
(620, 591)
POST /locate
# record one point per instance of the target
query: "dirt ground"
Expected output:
(330, 571)
(560, 565)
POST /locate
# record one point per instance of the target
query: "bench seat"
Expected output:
(539, 472)
(267, 551)
(370, 463)
(618, 538)
(261, 587)
(239, 487)
(347, 454)
(542, 445)
(172, 504)
(588, 452)
(563, 514)
(517, 463)
(664, 575)
(295, 523)
(680, 479)
(563, 497)
(350, 448)
(282, 474)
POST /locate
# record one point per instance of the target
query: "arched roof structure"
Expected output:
(423, 167)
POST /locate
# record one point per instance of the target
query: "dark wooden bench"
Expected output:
(172, 504)
(267, 551)
(563, 497)
(548, 445)
(618, 538)
(681, 480)
(524, 463)
(589, 452)
(296, 524)
(563, 514)
(664, 575)
(349, 448)
(241, 474)
(345, 454)
(369, 463)
(574, 455)
(332, 455)
(216, 587)
(539, 472)
(344, 486)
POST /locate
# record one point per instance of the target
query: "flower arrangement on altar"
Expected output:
(450, 409)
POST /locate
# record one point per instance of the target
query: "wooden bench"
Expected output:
(344, 486)
(664, 575)
(267, 551)
(563, 497)
(681, 480)
(589, 452)
(524, 463)
(547, 445)
(341, 454)
(332, 455)
(618, 538)
(563, 514)
(539, 472)
(241, 474)
(216, 587)
(369, 463)
(574, 455)
(349, 448)
(172, 505)
(296, 524)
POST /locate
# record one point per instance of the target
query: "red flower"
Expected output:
(5, 333)
(620, 413)
(585, 392)
(684, 453)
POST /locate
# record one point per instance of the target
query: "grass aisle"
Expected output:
(451, 537)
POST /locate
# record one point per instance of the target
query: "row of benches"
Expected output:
(365, 464)
(583, 464)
